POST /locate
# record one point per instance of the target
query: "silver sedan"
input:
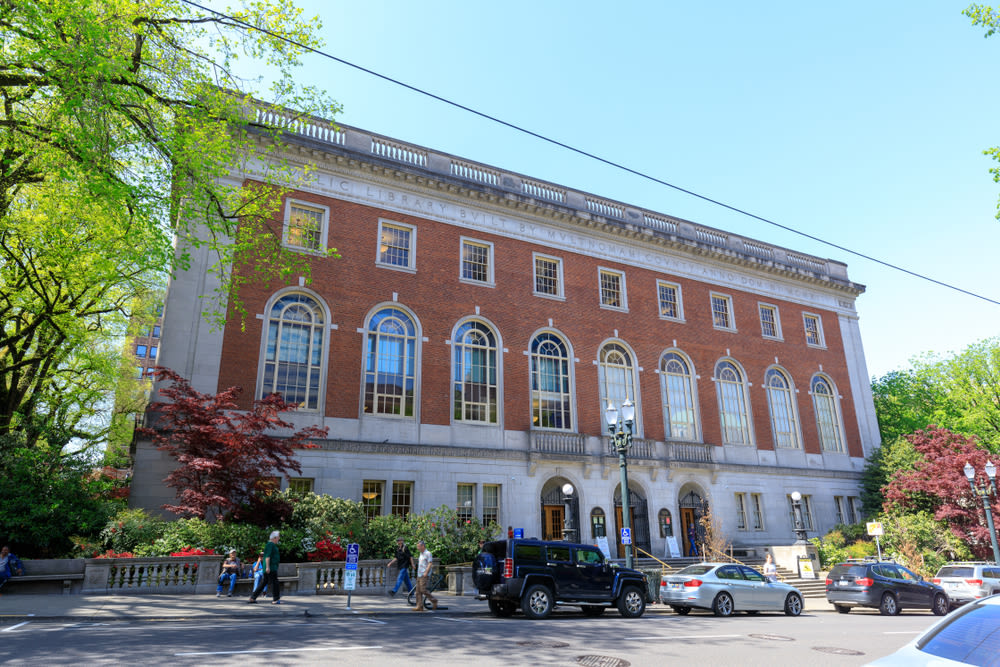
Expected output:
(726, 588)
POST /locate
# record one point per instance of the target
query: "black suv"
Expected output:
(886, 586)
(536, 575)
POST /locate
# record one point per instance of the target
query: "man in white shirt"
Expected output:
(425, 565)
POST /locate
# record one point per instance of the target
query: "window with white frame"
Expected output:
(300, 484)
(477, 262)
(741, 511)
(550, 383)
(612, 284)
(475, 373)
(598, 526)
(854, 506)
(827, 406)
(757, 511)
(722, 312)
(841, 508)
(807, 513)
(548, 276)
(669, 296)
(397, 245)
(616, 378)
(734, 413)
(294, 359)
(372, 493)
(814, 330)
(390, 364)
(770, 322)
(305, 226)
(402, 499)
(680, 416)
(781, 401)
(465, 505)
(491, 504)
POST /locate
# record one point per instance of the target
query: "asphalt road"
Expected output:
(567, 638)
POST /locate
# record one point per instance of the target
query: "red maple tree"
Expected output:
(222, 452)
(937, 484)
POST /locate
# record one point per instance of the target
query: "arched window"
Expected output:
(616, 378)
(293, 352)
(734, 414)
(475, 373)
(598, 527)
(550, 390)
(666, 524)
(678, 397)
(390, 364)
(781, 400)
(827, 406)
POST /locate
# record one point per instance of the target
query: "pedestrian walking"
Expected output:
(425, 564)
(230, 571)
(403, 560)
(770, 569)
(272, 558)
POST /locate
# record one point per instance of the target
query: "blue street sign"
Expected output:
(353, 550)
(518, 533)
(626, 536)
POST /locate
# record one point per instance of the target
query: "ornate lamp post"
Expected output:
(569, 532)
(800, 527)
(621, 442)
(984, 492)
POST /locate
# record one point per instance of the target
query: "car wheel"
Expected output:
(889, 606)
(537, 602)
(631, 603)
(941, 605)
(723, 605)
(683, 611)
(793, 604)
(593, 610)
(842, 608)
(502, 609)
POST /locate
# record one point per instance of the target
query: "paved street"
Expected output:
(379, 631)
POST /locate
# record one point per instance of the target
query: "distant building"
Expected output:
(465, 347)
(146, 346)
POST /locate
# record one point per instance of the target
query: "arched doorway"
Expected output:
(692, 507)
(554, 506)
(638, 518)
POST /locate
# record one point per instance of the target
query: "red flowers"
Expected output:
(327, 550)
(193, 551)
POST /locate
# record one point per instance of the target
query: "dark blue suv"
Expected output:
(535, 575)
(882, 585)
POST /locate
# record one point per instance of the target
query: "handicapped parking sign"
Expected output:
(626, 536)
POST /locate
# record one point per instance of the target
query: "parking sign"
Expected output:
(626, 536)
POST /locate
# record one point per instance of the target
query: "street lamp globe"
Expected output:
(567, 489)
(991, 470)
(796, 496)
(970, 472)
(628, 411)
(611, 414)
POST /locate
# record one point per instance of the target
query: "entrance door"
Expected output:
(553, 518)
(689, 527)
(618, 534)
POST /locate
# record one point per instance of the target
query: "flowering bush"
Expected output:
(111, 554)
(193, 551)
(327, 549)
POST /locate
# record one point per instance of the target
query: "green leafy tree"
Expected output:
(884, 464)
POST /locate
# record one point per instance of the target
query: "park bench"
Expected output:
(67, 579)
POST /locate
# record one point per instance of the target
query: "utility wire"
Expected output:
(592, 156)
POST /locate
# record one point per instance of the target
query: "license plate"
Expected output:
(676, 585)
(842, 583)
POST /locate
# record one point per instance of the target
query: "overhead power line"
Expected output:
(592, 156)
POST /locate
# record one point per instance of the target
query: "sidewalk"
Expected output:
(16, 608)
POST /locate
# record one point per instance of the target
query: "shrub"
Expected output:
(130, 528)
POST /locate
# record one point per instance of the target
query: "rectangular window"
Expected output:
(465, 506)
(300, 484)
(402, 498)
(613, 289)
(669, 295)
(758, 511)
(770, 324)
(741, 511)
(371, 497)
(156, 331)
(491, 504)
(814, 330)
(854, 506)
(807, 514)
(477, 261)
(139, 371)
(722, 312)
(548, 276)
(305, 226)
(397, 245)
(841, 508)
(149, 372)
(140, 351)
(152, 352)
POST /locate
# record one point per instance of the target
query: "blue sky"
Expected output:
(862, 123)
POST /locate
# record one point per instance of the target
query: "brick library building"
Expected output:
(464, 349)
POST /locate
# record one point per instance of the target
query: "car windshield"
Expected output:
(972, 638)
(696, 569)
(848, 570)
(955, 571)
